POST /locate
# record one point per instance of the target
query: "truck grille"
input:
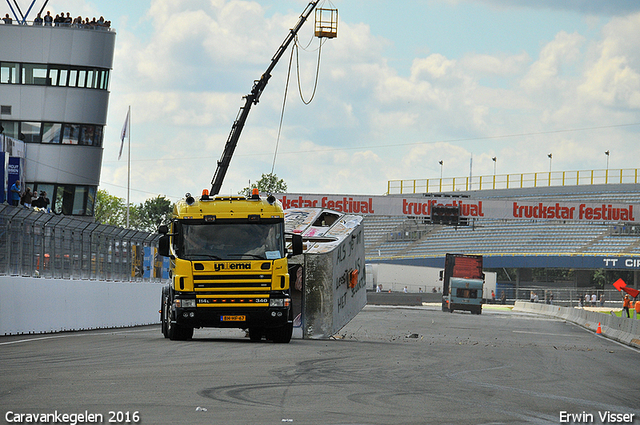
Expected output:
(232, 282)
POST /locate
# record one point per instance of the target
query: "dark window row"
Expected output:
(68, 199)
(54, 75)
(50, 132)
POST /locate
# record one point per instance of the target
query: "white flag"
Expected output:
(124, 133)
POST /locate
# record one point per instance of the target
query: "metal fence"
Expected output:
(517, 181)
(38, 244)
(563, 296)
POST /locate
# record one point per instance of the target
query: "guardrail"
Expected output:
(514, 181)
(620, 329)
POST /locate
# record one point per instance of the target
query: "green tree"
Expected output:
(146, 216)
(599, 278)
(268, 183)
(110, 209)
(152, 213)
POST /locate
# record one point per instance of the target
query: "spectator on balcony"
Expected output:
(42, 201)
(48, 19)
(7, 19)
(16, 193)
(38, 20)
(27, 197)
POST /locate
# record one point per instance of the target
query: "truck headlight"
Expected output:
(186, 303)
(279, 302)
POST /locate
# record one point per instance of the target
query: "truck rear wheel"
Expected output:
(164, 312)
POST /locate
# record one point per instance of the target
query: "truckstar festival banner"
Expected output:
(470, 208)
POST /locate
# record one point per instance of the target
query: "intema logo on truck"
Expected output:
(231, 266)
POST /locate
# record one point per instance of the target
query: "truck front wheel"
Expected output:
(179, 333)
(255, 334)
(176, 332)
(281, 334)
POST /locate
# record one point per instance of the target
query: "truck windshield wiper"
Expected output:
(259, 257)
(204, 257)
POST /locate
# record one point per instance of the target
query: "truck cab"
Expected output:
(228, 267)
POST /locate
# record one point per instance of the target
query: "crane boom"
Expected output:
(252, 99)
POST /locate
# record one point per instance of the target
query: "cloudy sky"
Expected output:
(406, 84)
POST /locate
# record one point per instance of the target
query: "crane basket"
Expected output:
(326, 23)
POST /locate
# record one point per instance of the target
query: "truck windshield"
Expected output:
(232, 241)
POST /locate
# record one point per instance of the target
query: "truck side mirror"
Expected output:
(163, 245)
(163, 229)
(296, 244)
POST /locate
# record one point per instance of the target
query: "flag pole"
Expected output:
(128, 164)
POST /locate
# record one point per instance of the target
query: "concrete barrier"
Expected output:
(36, 305)
(620, 329)
(400, 298)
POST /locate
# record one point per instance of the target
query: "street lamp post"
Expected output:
(494, 171)
(441, 162)
(606, 173)
(550, 159)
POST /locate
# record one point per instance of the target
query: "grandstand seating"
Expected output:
(394, 237)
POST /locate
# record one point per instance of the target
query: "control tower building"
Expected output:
(54, 94)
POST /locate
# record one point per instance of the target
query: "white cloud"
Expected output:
(370, 122)
(547, 73)
(500, 65)
(613, 78)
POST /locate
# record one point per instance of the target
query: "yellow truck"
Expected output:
(228, 256)
(228, 267)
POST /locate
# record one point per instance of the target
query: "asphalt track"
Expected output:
(388, 366)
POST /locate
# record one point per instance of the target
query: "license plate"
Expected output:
(233, 318)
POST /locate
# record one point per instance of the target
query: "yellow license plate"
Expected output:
(233, 318)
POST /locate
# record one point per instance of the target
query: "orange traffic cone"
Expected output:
(599, 330)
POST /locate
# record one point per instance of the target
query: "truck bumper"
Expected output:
(203, 317)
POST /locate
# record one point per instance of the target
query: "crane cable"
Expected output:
(286, 89)
(315, 85)
(284, 102)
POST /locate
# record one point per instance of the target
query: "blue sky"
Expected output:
(404, 85)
